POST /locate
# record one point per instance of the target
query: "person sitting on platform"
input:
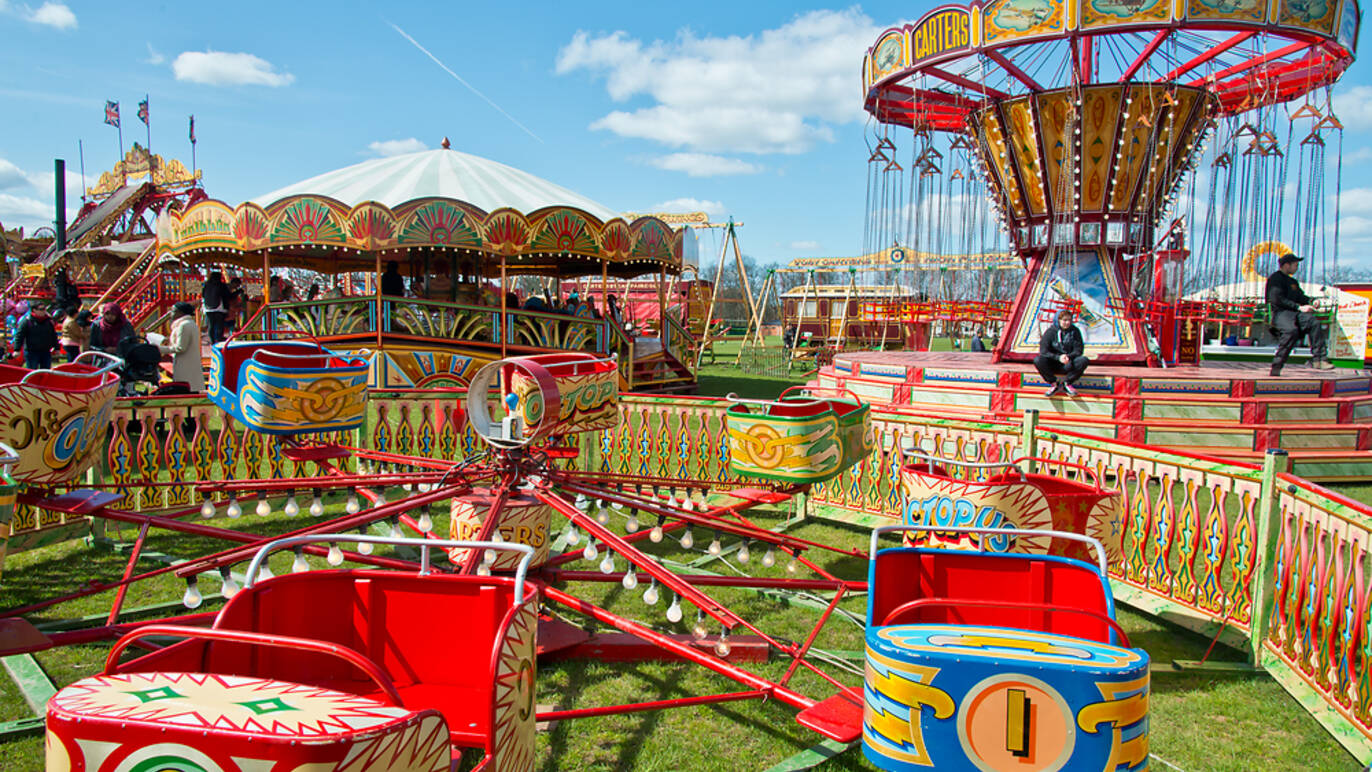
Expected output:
(1060, 360)
(1293, 317)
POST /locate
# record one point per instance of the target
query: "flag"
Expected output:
(192, 129)
(112, 114)
(143, 112)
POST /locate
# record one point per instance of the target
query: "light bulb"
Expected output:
(686, 502)
(488, 557)
(573, 536)
(265, 573)
(292, 506)
(353, 506)
(674, 610)
(630, 580)
(792, 566)
(590, 553)
(380, 499)
(335, 557)
(699, 630)
(715, 547)
(650, 595)
(300, 565)
(396, 533)
(234, 509)
(207, 509)
(582, 503)
(425, 523)
(192, 598)
(616, 506)
(483, 570)
(607, 566)
(631, 525)
(364, 547)
(228, 587)
(769, 558)
(602, 515)
(722, 647)
(655, 535)
(744, 554)
(263, 508)
(687, 539)
(316, 507)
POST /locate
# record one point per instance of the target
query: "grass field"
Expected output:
(1199, 720)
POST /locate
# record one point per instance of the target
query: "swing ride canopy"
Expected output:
(438, 201)
(1247, 53)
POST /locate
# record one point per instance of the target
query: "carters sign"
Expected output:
(944, 30)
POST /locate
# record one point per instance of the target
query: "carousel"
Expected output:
(457, 235)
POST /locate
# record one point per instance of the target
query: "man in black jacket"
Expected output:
(1293, 316)
(1060, 354)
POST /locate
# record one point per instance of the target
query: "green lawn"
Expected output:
(1199, 720)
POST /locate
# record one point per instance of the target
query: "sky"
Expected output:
(745, 110)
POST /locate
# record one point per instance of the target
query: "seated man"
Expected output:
(1293, 316)
(1060, 355)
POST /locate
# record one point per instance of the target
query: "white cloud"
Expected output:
(1354, 107)
(1355, 201)
(392, 147)
(804, 245)
(30, 213)
(1360, 156)
(56, 15)
(11, 176)
(775, 92)
(154, 56)
(704, 164)
(220, 68)
(682, 205)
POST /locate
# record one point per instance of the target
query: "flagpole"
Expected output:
(120, 128)
(147, 121)
(81, 153)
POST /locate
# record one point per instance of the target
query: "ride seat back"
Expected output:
(900, 575)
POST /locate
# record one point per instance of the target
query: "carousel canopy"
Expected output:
(440, 210)
(439, 173)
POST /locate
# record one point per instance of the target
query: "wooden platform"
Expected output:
(1232, 409)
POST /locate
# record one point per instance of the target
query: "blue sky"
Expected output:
(751, 110)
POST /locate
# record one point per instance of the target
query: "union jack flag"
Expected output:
(143, 112)
(112, 114)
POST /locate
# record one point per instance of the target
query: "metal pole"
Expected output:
(1028, 439)
(60, 185)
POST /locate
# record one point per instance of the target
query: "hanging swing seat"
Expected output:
(288, 386)
(799, 440)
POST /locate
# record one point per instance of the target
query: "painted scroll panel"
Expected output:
(1004, 20)
(1020, 120)
(1100, 121)
(1114, 13)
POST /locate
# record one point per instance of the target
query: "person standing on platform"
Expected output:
(1293, 317)
(184, 346)
(1061, 360)
(76, 333)
(215, 295)
(36, 338)
(392, 283)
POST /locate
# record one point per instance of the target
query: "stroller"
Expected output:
(141, 360)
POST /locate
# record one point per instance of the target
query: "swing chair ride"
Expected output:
(1147, 163)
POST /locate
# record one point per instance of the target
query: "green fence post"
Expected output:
(1028, 439)
(1274, 463)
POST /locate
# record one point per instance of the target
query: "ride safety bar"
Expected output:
(1094, 544)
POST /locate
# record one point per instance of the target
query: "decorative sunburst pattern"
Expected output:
(512, 740)
(439, 222)
(563, 231)
(507, 232)
(306, 221)
(223, 702)
(250, 225)
(616, 240)
(652, 241)
(371, 226)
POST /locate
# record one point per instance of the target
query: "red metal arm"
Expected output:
(373, 671)
(918, 603)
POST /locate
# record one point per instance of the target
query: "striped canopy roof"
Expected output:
(439, 173)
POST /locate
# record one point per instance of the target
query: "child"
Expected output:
(76, 333)
(37, 337)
